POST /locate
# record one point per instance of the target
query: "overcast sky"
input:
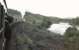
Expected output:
(59, 8)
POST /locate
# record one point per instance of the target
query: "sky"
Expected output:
(58, 8)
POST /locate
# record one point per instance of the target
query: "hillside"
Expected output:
(71, 36)
(32, 34)
(29, 37)
(15, 14)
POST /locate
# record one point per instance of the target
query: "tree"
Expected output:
(71, 39)
(75, 21)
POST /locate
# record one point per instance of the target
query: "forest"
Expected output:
(34, 35)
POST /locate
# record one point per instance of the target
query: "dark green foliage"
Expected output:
(39, 21)
(32, 34)
(71, 39)
(75, 21)
(30, 37)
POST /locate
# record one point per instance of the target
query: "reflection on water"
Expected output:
(59, 28)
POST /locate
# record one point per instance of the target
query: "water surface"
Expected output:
(59, 28)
